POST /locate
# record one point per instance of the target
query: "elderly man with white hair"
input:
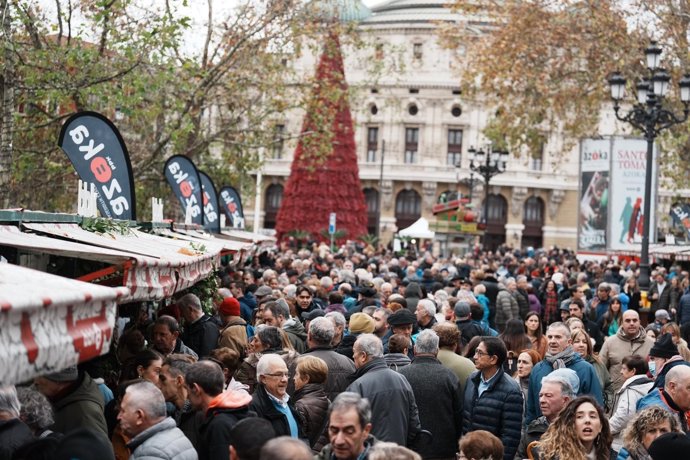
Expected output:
(271, 401)
(143, 419)
(426, 314)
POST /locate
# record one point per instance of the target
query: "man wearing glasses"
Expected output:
(270, 399)
(493, 400)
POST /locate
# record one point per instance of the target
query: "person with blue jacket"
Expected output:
(560, 354)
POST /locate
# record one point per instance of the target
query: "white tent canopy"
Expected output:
(419, 229)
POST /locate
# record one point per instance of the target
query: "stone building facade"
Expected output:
(414, 118)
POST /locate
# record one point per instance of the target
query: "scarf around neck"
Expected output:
(562, 359)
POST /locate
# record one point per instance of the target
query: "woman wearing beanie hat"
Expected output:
(663, 357)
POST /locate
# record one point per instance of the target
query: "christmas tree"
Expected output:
(324, 176)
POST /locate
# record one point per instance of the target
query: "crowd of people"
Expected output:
(365, 355)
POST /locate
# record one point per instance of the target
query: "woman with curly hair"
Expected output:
(582, 344)
(534, 329)
(645, 427)
(581, 432)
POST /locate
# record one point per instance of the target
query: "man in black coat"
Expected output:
(491, 284)
(493, 400)
(223, 410)
(271, 401)
(200, 332)
(439, 400)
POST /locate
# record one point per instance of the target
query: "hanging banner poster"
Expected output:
(183, 177)
(99, 155)
(210, 203)
(628, 169)
(232, 206)
(594, 194)
(680, 212)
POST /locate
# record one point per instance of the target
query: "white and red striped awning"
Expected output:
(48, 323)
(153, 267)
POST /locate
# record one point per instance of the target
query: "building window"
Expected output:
(417, 50)
(274, 197)
(534, 211)
(278, 141)
(408, 208)
(372, 144)
(454, 147)
(411, 144)
(536, 162)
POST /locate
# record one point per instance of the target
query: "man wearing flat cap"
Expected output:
(403, 322)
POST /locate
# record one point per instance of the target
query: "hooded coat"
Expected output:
(506, 308)
(201, 335)
(311, 403)
(81, 406)
(223, 412)
(619, 346)
(296, 333)
(340, 367)
(412, 295)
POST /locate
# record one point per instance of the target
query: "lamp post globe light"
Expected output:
(651, 117)
(487, 164)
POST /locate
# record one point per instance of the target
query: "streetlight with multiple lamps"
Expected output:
(651, 117)
(487, 164)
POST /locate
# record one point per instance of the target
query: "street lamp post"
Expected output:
(651, 117)
(487, 164)
(469, 183)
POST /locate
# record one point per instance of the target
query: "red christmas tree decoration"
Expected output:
(324, 176)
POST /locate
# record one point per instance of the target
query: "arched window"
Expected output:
(533, 220)
(408, 208)
(371, 197)
(274, 196)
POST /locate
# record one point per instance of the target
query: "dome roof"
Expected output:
(343, 10)
(410, 11)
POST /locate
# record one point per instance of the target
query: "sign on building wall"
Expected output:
(595, 159)
(628, 168)
(612, 176)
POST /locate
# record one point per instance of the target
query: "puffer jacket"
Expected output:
(162, 441)
(506, 308)
(395, 417)
(223, 412)
(340, 367)
(625, 405)
(619, 346)
(311, 403)
(498, 410)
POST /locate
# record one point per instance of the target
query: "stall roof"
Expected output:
(13, 237)
(48, 323)
(178, 265)
(228, 244)
(419, 229)
(248, 236)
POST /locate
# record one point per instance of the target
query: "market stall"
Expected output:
(48, 322)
